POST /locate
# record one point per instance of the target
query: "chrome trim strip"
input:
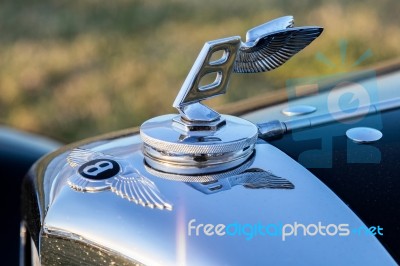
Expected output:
(275, 129)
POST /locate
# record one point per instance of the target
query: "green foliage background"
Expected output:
(72, 69)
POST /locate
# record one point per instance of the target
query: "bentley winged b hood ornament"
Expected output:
(200, 140)
(267, 47)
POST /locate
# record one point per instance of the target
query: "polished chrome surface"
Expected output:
(202, 177)
(195, 164)
(34, 255)
(28, 253)
(154, 237)
(271, 26)
(364, 134)
(299, 110)
(271, 129)
(191, 91)
(236, 135)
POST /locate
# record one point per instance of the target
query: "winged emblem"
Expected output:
(96, 171)
(267, 47)
(256, 178)
(253, 178)
(270, 45)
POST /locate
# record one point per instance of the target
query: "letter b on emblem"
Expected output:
(99, 169)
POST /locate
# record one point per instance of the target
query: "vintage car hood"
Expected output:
(73, 220)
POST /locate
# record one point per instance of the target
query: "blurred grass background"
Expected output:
(73, 69)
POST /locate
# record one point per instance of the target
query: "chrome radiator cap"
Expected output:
(200, 140)
(170, 149)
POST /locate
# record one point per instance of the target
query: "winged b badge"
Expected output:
(267, 47)
(252, 178)
(96, 171)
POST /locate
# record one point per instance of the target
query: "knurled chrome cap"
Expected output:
(170, 148)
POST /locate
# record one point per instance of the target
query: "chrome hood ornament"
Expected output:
(267, 47)
(200, 140)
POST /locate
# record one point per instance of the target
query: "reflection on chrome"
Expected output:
(245, 175)
(252, 178)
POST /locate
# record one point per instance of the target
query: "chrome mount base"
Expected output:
(206, 148)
